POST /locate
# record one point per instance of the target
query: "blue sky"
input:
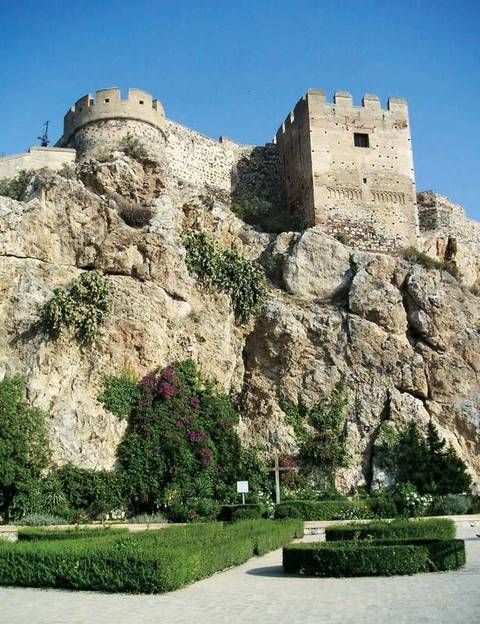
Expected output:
(236, 68)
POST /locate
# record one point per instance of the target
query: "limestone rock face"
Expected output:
(406, 340)
(306, 277)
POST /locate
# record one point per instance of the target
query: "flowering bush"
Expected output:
(181, 453)
(413, 503)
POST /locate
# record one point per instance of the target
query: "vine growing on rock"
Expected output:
(320, 431)
(120, 394)
(242, 280)
(83, 307)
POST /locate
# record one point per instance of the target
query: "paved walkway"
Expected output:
(259, 592)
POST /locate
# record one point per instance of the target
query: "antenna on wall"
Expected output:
(44, 140)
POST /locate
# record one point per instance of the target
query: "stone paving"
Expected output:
(260, 592)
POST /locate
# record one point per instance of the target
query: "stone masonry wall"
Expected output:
(335, 179)
(238, 171)
(296, 156)
(438, 213)
(104, 135)
(36, 158)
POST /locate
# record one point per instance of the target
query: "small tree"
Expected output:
(424, 461)
(24, 447)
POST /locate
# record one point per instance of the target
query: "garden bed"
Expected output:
(146, 562)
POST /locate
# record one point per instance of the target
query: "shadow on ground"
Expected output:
(273, 571)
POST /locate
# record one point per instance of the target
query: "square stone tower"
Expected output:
(350, 169)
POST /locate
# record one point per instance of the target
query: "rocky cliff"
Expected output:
(407, 340)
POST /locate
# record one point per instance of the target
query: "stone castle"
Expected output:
(404, 338)
(348, 169)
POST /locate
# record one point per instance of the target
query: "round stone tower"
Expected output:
(98, 123)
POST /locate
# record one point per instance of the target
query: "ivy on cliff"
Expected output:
(242, 280)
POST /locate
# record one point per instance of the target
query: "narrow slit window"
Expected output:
(360, 139)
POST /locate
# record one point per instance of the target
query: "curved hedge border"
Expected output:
(436, 528)
(374, 558)
(315, 510)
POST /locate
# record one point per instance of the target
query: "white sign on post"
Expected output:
(242, 488)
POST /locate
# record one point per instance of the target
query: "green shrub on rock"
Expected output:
(242, 280)
(120, 394)
(83, 307)
(320, 431)
(411, 254)
(16, 187)
(133, 147)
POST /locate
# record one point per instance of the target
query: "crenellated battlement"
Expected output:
(314, 102)
(108, 104)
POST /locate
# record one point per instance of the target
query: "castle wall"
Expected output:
(199, 160)
(105, 135)
(95, 126)
(438, 215)
(237, 171)
(293, 141)
(370, 188)
(36, 158)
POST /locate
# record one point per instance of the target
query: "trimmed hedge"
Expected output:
(374, 558)
(249, 511)
(435, 528)
(147, 562)
(34, 534)
(316, 510)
